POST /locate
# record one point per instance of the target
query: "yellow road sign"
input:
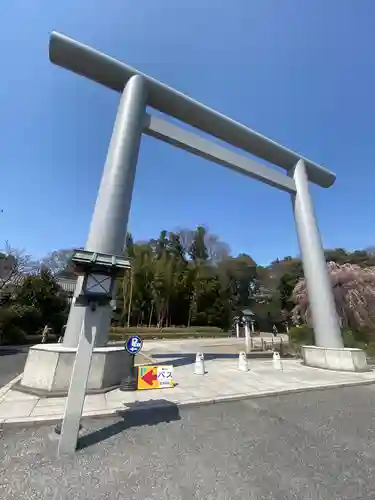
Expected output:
(155, 377)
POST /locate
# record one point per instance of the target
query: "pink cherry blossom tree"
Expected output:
(353, 289)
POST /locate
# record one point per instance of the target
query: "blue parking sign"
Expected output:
(134, 344)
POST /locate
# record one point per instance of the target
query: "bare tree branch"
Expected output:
(186, 237)
(217, 249)
(14, 263)
(59, 262)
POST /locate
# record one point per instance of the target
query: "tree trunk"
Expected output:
(124, 299)
(192, 303)
(167, 322)
(190, 313)
(130, 297)
(151, 313)
(159, 319)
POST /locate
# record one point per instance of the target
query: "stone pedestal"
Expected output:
(49, 367)
(332, 358)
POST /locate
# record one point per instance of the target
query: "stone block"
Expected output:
(331, 358)
(49, 367)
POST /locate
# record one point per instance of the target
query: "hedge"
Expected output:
(304, 335)
(169, 329)
(119, 333)
(29, 340)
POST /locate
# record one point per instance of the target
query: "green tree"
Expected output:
(42, 293)
(129, 245)
(35, 302)
(198, 250)
(188, 277)
(287, 283)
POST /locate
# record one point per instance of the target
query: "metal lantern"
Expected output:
(99, 273)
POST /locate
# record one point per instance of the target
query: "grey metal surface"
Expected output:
(78, 385)
(113, 74)
(193, 143)
(110, 218)
(322, 305)
(312, 446)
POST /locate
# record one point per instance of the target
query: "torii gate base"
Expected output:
(50, 367)
(341, 359)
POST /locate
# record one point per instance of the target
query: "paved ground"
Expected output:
(222, 381)
(312, 446)
(210, 346)
(12, 361)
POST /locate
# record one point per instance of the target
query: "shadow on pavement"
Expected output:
(140, 414)
(11, 351)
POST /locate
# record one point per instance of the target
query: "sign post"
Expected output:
(133, 346)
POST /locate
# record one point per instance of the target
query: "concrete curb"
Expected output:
(148, 357)
(7, 387)
(148, 406)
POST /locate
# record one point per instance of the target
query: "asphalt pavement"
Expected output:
(12, 362)
(316, 445)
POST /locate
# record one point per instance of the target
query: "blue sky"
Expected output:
(298, 71)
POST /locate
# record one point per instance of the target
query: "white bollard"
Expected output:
(247, 338)
(238, 330)
(276, 361)
(243, 364)
(199, 364)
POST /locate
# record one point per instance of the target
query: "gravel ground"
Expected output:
(317, 446)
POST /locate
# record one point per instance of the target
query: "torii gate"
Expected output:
(49, 368)
(110, 218)
(108, 226)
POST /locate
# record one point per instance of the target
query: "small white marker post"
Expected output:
(276, 361)
(243, 365)
(237, 329)
(199, 364)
